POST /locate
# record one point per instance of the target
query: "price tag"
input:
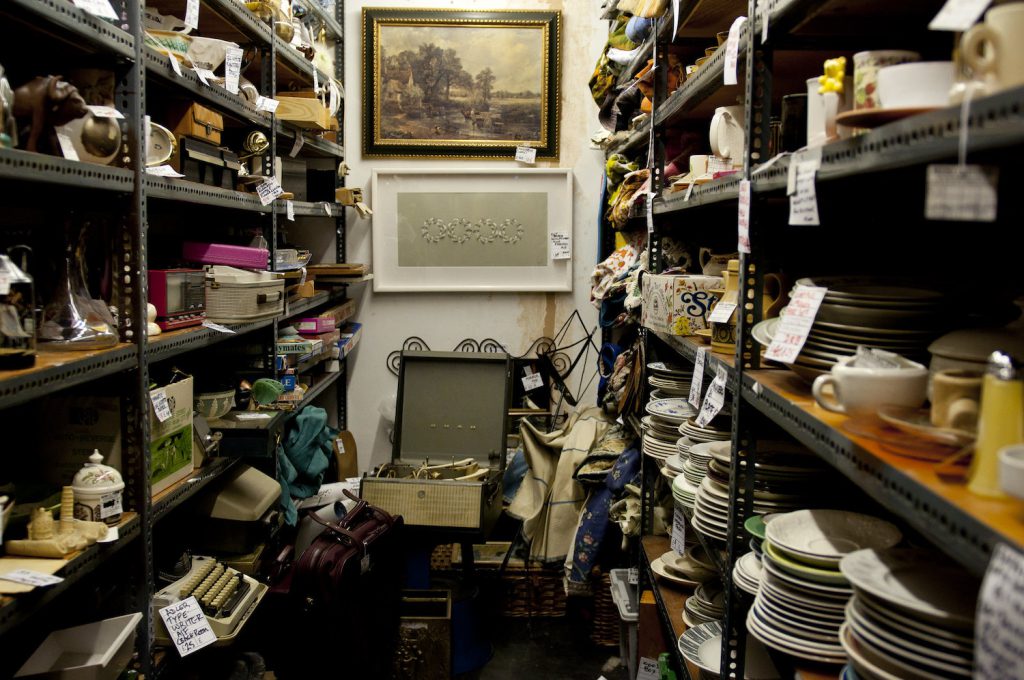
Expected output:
(961, 193)
(105, 111)
(732, 51)
(163, 171)
(187, 625)
(269, 190)
(762, 6)
(679, 531)
(297, 146)
(698, 377)
(722, 312)
(689, 191)
(796, 324)
(803, 156)
(175, 66)
(66, 146)
(192, 14)
(205, 75)
(803, 205)
(526, 154)
(958, 15)
(675, 19)
(998, 628)
(110, 504)
(714, 398)
(327, 209)
(160, 406)
(532, 381)
(232, 68)
(100, 8)
(743, 218)
(648, 669)
(289, 210)
(267, 104)
(650, 215)
(217, 327)
(28, 577)
(633, 576)
(561, 245)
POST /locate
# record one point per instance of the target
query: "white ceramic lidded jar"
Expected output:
(98, 492)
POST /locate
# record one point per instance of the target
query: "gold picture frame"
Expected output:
(444, 83)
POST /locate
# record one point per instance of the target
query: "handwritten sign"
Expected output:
(803, 205)
(160, 406)
(958, 15)
(27, 577)
(961, 193)
(743, 218)
(698, 377)
(232, 68)
(269, 190)
(811, 155)
(796, 324)
(999, 629)
(648, 669)
(732, 51)
(679, 531)
(561, 245)
(714, 398)
(187, 625)
(526, 154)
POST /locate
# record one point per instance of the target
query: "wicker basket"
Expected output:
(441, 558)
(532, 592)
(605, 631)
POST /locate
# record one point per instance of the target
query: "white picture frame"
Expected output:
(429, 224)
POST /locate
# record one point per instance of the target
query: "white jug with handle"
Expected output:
(727, 136)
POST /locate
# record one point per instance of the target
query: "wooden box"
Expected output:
(304, 110)
(199, 122)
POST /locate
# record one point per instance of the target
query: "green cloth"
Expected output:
(303, 457)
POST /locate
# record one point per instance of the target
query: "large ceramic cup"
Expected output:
(727, 137)
(865, 74)
(911, 86)
(955, 396)
(995, 49)
(861, 391)
(822, 110)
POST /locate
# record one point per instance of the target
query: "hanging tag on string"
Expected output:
(958, 15)
(99, 8)
(997, 651)
(679, 531)
(803, 205)
(232, 68)
(192, 14)
(732, 52)
(697, 382)
(743, 217)
(714, 398)
(795, 326)
(289, 210)
(808, 155)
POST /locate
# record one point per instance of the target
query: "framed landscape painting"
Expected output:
(460, 84)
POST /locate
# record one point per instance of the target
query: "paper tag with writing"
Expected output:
(526, 154)
(743, 218)
(633, 576)
(163, 171)
(962, 193)
(192, 14)
(187, 626)
(175, 66)
(66, 146)
(561, 245)
(650, 215)
(232, 68)
(722, 312)
(809, 155)
(689, 192)
(732, 51)
(762, 5)
(796, 324)
(110, 504)
(28, 577)
(648, 669)
(105, 111)
(327, 210)
(100, 8)
(998, 629)
(297, 146)
(289, 210)
(714, 398)
(532, 381)
(803, 205)
(217, 327)
(679, 531)
(698, 377)
(269, 190)
(205, 75)
(267, 104)
(160, 406)
(958, 15)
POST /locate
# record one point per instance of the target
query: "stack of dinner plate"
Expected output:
(911, 616)
(718, 430)
(661, 426)
(691, 569)
(684, 493)
(746, 573)
(706, 604)
(802, 595)
(668, 380)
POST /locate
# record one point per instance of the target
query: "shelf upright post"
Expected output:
(757, 112)
(655, 143)
(130, 297)
(268, 83)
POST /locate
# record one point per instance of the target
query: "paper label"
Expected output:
(958, 15)
(714, 398)
(105, 111)
(316, 82)
(803, 156)
(192, 14)
(648, 669)
(999, 629)
(110, 504)
(532, 381)
(100, 8)
(526, 154)
(66, 146)
(289, 210)
(633, 576)
(267, 104)
(112, 535)
(743, 218)
(762, 5)
(269, 190)
(160, 406)
(962, 193)
(689, 191)
(335, 97)
(796, 324)
(217, 327)
(187, 626)
(698, 377)
(561, 245)
(803, 205)
(675, 19)
(31, 578)
(732, 51)
(297, 146)
(722, 312)
(650, 215)
(232, 68)
(679, 531)
(205, 75)
(164, 171)
(175, 66)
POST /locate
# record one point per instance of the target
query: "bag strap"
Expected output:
(343, 534)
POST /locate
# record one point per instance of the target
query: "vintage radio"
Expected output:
(179, 296)
(235, 295)
(449, 452)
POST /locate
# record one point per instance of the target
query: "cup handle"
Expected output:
(727, 120)
(981, 62)
(817, 389)
(705, 257)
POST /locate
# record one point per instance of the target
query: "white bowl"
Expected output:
(916, 85)
(1011, 469)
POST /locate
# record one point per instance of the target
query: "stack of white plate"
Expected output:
(706, 604)
(669, 380)
(684, 493)
(912, 616)
(716, 431)
(746, 573)
(661, 426)
(702, 646)
(801, 600)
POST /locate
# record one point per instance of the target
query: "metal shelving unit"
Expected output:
(24, 166)
(70, 24)
(191, 192)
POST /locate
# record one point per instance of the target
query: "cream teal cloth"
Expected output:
(549, 501)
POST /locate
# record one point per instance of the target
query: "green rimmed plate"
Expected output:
(825, 576)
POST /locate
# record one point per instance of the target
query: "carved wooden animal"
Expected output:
(46, 102)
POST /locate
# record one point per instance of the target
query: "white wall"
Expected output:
(443, 319)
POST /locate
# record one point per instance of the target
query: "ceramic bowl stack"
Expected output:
(702, 646)
(911, 616)
(705, 605)
(691, 569)
(801, 602)
(668, 380)
(661, 426)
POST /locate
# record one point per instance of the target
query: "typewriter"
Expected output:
(226, 596)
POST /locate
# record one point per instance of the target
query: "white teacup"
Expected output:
(918, 85)
(994, 49)
(861, 391)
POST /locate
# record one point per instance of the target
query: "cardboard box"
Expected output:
(170, 442)
(72, 427)
(678, 305)
(350, 335)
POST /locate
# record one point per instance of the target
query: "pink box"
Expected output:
(222, 253)
(315, 325)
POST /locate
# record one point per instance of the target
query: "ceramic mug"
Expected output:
(712, 264)
(955, 396)
(865, 74)
(822, 110)
(861, 391)
(727, 136)
(924, 84)
(994, 49)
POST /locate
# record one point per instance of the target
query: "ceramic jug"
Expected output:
(727, 137)
(712, 264)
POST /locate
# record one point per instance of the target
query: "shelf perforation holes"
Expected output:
(66, 8)
(69, 169)
(846, 457)
(35, 383)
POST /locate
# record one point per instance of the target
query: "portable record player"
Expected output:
(449, 452)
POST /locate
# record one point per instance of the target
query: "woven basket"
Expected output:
(605, 631)
(532, 592)
(441, 558)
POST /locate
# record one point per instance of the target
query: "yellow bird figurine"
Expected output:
(835, 73)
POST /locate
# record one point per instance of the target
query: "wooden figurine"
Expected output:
(43, 103)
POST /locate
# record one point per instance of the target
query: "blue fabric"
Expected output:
(303, 457)
(515, 472)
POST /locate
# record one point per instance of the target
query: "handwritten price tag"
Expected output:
(561, 245)
(732, 51)
(289, 210)
(998, 628)
(722, 313)
(100, 8)
(269, 190)
(958, 15)
(679, 531)
(232, 68)
(796, 324)
(160, 406)
(962, 193)
(188, 627)
(526, 154)
(743, 218)
(698, 377)
(714, 398)
(27, 577)
(267, 104)
(648, 669)
(217, 327)
(803, 205)
(192, 14)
